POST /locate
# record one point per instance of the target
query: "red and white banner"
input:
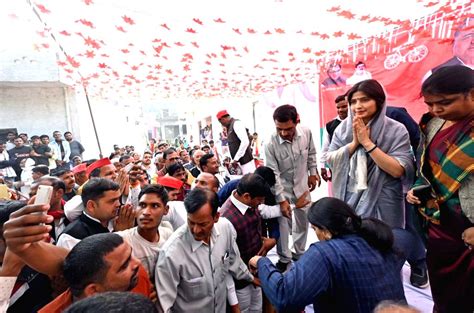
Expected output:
(400, 61)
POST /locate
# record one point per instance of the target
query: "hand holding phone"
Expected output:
(129, 167)
(44, 194)
(423, 193)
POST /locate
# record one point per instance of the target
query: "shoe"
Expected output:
(419, 278)
(282, 266)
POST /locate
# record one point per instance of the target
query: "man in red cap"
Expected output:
(239, 143)
(172, 185)
(80, 173)
(176, 214)
(102, 168)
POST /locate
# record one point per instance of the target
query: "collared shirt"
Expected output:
(292, 162)
(56, 149)
(325, 147)
(239, 205)
(191, 276)
(338, 275)
(81, 228)
(248, 225)
(241, 132)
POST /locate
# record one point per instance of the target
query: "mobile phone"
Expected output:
(4, 194)
(44, 194)
(129, 167)
(423, 193)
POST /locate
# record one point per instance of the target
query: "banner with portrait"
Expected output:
(400, 60)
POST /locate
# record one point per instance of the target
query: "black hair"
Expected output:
(359, 63)
(285, 113)
(56, 132)
(113, 301)
(85, 263)
(162, 144)
(205, 147)
(43, 169)
(198, 197)
(55, 182)
(156, 189)
(60, 172)
(148, 152)
(44, 136)
(11, 132)
(68, 132)
(339, 219)
(95, 188)
(124, 157)
(204, 159)
(254, 185)
(7, 208)
(89, 162)
(211, 141)
(269, 177)
(173, 168)
(95, 173)
(34, 137)
(167, 152)
(449, 80)
(372, 89)
(340, 98)
(267, 173)
(25, 134)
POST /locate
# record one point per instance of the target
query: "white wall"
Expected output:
(34, 110)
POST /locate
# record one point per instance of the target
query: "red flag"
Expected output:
(128, 20)
(43, 9)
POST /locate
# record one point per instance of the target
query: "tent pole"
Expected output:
(93, 122)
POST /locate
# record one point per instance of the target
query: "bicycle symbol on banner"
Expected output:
(415, 55)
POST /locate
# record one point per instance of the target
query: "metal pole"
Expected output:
(93, 122)
(253, 114)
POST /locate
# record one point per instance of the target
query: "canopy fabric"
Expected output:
(202, 48)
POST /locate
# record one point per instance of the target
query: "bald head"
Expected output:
(207, 181)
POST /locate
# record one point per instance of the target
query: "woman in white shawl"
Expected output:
(369, 156)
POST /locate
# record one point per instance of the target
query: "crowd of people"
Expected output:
(188, 229)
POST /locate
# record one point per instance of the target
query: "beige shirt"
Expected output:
(144, 250)
(292, 162)
(191, 276)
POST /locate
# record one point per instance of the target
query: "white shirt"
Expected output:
(241, 132)
(56, 149)
(68, 242)
(6, 287)
(9, 145)
(144, 250)
(8, 171)
(177, 214)
(325, 147)
(242, 207)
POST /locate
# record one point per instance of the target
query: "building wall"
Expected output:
(34, 110)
